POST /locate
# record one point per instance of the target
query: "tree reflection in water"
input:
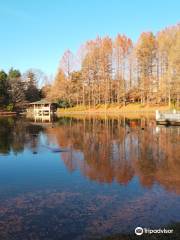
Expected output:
(104, 149)
(16, 134)
(130, 152)
(119, 149)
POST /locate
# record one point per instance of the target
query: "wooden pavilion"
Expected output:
(42, 108)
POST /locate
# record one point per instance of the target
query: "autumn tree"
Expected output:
(122, 63)
(106, 68)
(119, 71)
(146, 57)
(67, 62)
(76, 87)
(97, 71)
(168, 55)
(59, 87)
(175, 67)
(90, 68)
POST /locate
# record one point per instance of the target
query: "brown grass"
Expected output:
(113, 109)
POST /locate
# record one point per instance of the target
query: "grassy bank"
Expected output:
(112, 109)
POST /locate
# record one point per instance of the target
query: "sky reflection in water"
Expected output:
(114, 175)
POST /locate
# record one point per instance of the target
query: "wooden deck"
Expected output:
(168, 118)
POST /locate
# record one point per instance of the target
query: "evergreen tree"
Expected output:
(31, 90)
(16, 87)
(3, 88)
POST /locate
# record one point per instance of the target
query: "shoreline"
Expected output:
(4, 114)
(104, 112)
(111, 110)
(108, 114)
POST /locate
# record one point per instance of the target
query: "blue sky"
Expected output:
(35, 33)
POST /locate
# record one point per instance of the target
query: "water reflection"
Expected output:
(119, 149)
(105, 150)
(16, 134)
(84, 178)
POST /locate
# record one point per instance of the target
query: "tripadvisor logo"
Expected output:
(140, 231)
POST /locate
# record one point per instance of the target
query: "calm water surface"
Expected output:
(84, 178)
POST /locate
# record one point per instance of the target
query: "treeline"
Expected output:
(17, 89)
(118, 71)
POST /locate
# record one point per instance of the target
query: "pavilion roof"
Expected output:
(41, 102)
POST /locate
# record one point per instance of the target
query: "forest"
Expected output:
(105, 71)
(118, 71)
(17, 89)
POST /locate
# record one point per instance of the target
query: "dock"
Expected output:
(168, 118)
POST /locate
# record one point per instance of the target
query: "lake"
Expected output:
(87, 177)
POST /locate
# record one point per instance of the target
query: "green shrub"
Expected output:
(64, 104)
(9, 107)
